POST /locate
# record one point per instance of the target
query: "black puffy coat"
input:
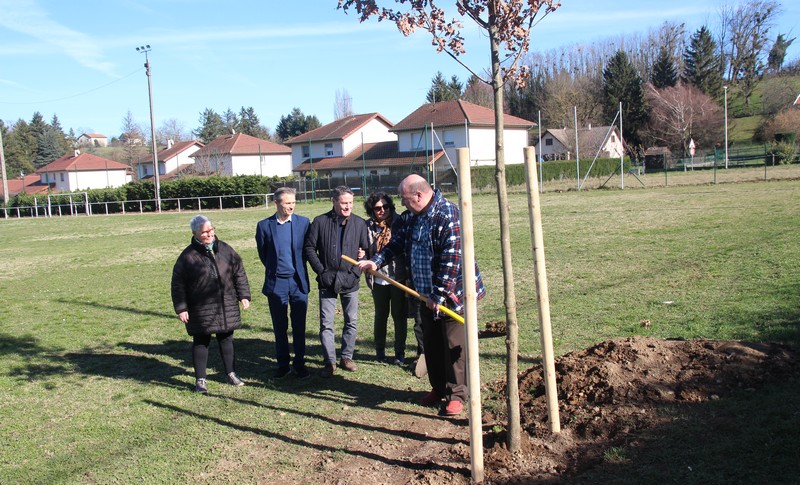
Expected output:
(209, 285)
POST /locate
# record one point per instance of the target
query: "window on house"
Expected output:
(62, 177)
(548, 142)
(329, 149)
(305, 151)
(449, 138)
(418, 141)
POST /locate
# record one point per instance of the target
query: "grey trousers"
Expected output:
(327, 311)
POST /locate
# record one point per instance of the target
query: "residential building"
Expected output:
(449, 125)
(599, 141)
(340, 138)
(240, 154)
(83, 171)
(92, 139)
(172, 160)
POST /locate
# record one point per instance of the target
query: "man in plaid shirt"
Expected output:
(431, 240)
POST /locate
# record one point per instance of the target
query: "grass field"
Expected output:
(95, 371)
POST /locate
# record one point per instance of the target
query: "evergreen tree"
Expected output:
(442, 90)
(622, 84)
(49, 147)
(63, 141)
(294, 124)
(664, 74)
(211, 126)
(37, 126)
(18, 157)
(778, 53)
(231, 121)
(250, 125)
(702, 64)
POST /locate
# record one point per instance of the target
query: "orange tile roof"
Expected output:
(29, 184)
(456, 113)
(381, 154)
(339, 129)
(83, 162)
(240, 144)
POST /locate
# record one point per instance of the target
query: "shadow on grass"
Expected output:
(406, 464)
(118, 308)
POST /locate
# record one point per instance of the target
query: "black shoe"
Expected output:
(328, 371)
(200, 386)
(302, 373)
(282, 372)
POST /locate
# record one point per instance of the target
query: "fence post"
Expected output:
(179, 204)
(141, 207)
(243, 202)
(199, 207)
(220, 202)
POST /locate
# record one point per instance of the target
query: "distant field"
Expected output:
(95, 373)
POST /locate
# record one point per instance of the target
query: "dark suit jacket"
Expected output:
(265, 242)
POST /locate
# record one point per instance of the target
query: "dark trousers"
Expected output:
(200, 345)
(286, 298)
(445, 342)
(389, 298)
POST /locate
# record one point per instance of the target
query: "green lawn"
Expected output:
(95, 372)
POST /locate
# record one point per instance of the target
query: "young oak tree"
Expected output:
(507, 24)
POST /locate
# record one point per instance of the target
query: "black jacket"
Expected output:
(325, 245)
(209, 286)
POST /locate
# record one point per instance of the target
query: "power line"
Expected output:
(73, 95)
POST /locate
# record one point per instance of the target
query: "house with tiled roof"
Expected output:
(27, 184)
(241, 154)
(598, 141)
(449, 125)
(340, 138)
(172, 160)
(92, 139)
(83, 171)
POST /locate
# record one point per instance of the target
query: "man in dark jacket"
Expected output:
(279, 239)
(331, 235)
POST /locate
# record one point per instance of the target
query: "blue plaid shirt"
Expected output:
(432, 238)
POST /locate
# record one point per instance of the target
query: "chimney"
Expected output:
(170, 143)
(77, 152)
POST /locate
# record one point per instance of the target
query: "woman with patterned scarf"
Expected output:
(387, 298)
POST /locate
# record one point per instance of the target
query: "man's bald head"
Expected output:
(415, 193)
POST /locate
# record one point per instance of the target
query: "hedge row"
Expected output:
(483, 177)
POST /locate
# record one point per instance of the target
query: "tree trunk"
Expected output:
(509, 297)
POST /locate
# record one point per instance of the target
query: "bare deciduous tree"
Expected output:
(132, 138)
(343, 106)
(171, 129)
(681, 113)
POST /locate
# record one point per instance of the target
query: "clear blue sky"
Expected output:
(77, 59)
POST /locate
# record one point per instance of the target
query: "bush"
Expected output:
(483, 177)
(784, 153)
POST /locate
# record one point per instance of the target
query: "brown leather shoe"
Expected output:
(328, 371)
(348, 365)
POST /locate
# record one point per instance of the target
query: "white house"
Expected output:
(340, 138)
(600, 141)
(455, 124)
(171, 160)
(92, 139)
(241, 154)
(83, 171)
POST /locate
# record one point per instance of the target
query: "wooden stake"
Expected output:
(542, 294)
(471, 315)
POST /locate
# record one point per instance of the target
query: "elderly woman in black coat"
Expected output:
(208, 283)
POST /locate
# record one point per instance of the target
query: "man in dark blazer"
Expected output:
(279, 239)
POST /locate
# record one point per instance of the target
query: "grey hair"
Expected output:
(278, 195)
(198, 222)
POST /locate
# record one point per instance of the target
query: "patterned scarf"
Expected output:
(383, 237)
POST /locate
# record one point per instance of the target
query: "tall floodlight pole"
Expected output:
(3, 166)
(145, 49)
(725, 88)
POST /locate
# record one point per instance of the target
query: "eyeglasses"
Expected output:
(379, 208)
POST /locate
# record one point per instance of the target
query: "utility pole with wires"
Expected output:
(145, 49)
